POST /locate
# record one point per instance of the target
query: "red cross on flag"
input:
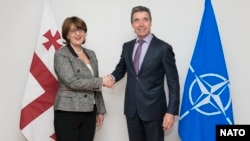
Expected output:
(36, 122)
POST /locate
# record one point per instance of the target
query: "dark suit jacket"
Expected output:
(145, 93)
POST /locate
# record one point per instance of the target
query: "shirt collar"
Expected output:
(147, 39)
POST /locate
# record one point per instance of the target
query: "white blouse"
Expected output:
(90, 68)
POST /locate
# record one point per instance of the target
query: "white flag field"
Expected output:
(36, 121)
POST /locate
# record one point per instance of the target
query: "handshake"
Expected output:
(108, 81)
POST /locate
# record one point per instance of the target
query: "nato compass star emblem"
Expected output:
(208, 95)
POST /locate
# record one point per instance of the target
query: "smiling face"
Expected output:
(76, 36)
(141, 22)
(74, 31)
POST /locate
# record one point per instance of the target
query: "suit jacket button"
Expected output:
(85, 96)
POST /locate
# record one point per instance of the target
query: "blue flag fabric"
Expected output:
(206, 100)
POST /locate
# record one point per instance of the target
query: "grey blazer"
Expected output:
(78, 89)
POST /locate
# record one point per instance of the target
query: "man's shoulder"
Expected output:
(130, 41)
(159, 41)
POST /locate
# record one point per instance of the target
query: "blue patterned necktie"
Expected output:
(137, 56)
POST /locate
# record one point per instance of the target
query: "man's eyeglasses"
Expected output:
(74, 31)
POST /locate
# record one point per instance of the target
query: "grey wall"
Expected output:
(175, 21)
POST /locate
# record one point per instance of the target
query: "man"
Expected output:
(146, 109)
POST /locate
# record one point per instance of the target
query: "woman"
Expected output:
(79, 104)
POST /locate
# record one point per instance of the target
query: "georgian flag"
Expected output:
(36, 122)
(206, 100)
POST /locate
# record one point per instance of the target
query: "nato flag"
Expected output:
(206, 100)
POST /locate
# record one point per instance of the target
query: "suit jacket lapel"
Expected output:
(148, 55)
(92, 63)
(130, 47)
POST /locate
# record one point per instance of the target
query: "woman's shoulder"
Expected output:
(62, 49)
(89, 51)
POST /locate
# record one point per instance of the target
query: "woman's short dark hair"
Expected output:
(79, 23)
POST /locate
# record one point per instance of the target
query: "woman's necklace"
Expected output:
(79, 52)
